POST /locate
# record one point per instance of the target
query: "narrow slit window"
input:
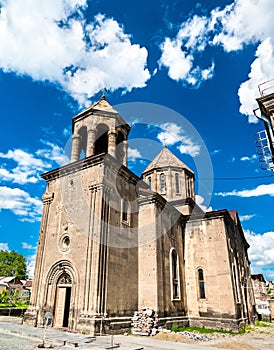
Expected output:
(177, 183)
(149, 183)
(163, 184)
(201, 284)
(124, 211)
(175, 286)
(235, 275)
(188, 186)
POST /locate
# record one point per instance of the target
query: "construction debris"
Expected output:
(144, 322)
(194, 336)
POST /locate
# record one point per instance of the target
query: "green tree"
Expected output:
(13, 264)
(4, 297)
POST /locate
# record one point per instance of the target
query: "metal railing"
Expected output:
(264, 151)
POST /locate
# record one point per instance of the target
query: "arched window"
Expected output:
(174, 275)
(163, 184)
(83, 142)
(101, 143)
(177, 183)
(149, 183)
(201, 284)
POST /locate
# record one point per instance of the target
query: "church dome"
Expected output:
(172, 179)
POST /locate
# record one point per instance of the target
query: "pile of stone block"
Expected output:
(194, 336)
(144, 322)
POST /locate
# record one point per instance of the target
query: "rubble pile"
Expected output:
(194, 336)
(144, 322)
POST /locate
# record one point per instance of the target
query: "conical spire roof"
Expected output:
(103, 105)
(166, 158)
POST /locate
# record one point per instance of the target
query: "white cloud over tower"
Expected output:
(50, 40)
(232, 28)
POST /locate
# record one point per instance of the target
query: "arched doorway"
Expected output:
(62, 301)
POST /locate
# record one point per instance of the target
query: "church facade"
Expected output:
(112, 243)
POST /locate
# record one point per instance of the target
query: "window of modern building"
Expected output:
(201, 284)
(163, 184)
(177, 183)
(174, 273)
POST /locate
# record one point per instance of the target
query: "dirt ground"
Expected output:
(259, 338)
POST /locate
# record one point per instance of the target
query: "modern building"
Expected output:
(112, 243)
(261, 296)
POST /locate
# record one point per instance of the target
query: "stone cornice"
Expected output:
(73, 167)
(89, 162)
(159, 201)
(217, 214)
(99, 187)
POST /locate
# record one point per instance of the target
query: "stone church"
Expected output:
(112, 243)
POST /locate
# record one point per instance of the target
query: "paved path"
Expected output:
(16, 336)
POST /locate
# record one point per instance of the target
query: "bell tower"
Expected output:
(99, 129)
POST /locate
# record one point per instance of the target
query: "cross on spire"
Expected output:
(103, 93)
(164, 141)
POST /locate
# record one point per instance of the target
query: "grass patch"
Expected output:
(248, 327)
(206, 330)
(15, 306)
(262, 323)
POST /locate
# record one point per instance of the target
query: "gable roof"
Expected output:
(166, 159)
(9, 279)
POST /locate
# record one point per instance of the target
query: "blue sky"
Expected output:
(201, 61)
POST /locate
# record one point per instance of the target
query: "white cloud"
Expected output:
(178, 53)
(261, 190)
(133, 154)
(233, 27)
(173, 134)
(4, 246)
(239, 28)
(30, 265)
(20, 203)
(177, 62)
(261, 71)
(50, 40)
(24, 159)
(261, 251)
(27, 246)
(67, 132)
(216, 151)
(200, 201)
(53, 152)
(246, 217)
(249, 159)
(26, 169)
